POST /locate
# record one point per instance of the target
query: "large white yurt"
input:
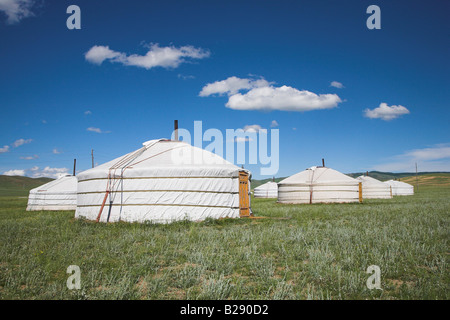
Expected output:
(319, 185)
(267, 190)
(162, 182)
(400, 188)
(374, 189)
(59, 194)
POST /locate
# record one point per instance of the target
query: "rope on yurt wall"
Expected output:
(123, 164)
(129, 165)
(311, 187)
(110, 182)
(312, 182)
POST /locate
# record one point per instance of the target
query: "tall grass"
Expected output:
(296, 252)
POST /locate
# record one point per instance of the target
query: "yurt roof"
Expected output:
(319, 176)
(397, 183)
(267, 186)
(369, 180)
(67, 183)
(164, 157)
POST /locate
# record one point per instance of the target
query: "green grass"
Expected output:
(18, 185)
(296, 252)
(427, 180)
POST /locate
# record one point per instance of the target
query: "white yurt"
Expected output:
(59, 194)
(162, 182)
(319, 185)
(374, 189)
(400, 188)
(267, 190)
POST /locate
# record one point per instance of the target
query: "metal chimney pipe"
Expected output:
(323, 162)
(74, 166)
(176, 129)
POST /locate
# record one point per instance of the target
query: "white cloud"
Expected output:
(185, 77)
(262, 95)
(14, 172)
(242, 139)
(4, 149)
(98, 130)
(48, 172)
(437, 152)
(16, 10)
(36, 172)
(88, 112)
(247, 133)
(336, 84)
(98, 54)
(166, 57)
(282, 98)
(386, 112)
(435, 158)
(231, 85)
(274, 124)
(252, 128)
(56, 151)
(30, 157)
(20, 142)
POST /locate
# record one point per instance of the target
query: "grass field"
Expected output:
(296, 252)
(19, 186)
(430, 180)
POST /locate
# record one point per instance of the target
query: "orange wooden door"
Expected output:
(360, 193)
(244, 198)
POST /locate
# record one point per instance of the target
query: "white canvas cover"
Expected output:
(374, 189)
(400, 188)
(267, 190)
(318, 185)
(59, 194)
(164, 181)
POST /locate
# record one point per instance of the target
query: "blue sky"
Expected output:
(52, 92)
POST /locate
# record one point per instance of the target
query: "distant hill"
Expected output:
(257, 183)
(430, 179)
(384, 176)
(19, 186)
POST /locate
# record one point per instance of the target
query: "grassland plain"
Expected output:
(296, 252)
(19, 186)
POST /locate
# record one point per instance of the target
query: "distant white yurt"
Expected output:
(319, 185)
(59, 194)
(267, 190)
(162, 182)
(374, 189)
(400, 188)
